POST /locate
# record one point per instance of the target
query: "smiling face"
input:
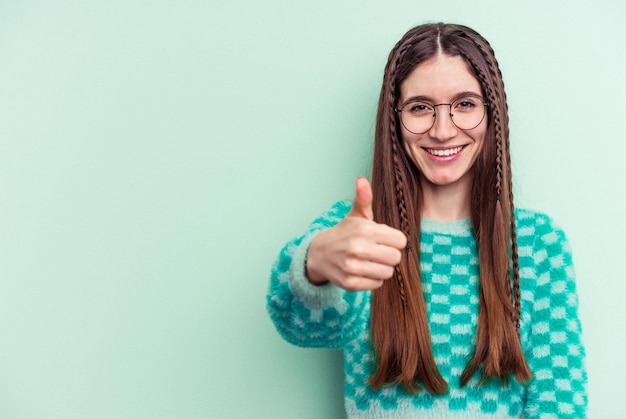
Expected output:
(444, 154)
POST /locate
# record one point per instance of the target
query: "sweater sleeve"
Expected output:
(305, 314)
(556, 353)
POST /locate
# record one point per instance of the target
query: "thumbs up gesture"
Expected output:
(358, 253)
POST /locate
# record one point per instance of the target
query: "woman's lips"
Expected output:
(446, 152)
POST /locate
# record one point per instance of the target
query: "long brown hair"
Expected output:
(399, 325)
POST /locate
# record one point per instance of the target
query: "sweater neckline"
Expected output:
(456, 227)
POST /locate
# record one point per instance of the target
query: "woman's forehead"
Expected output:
(440, 78)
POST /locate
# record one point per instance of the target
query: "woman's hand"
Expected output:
(358, 253)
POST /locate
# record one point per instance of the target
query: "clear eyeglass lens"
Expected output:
(466, 112)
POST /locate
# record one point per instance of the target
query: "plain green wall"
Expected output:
(155, 156)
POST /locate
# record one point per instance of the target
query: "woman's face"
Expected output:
(444, 154)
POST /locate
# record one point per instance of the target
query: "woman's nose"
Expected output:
(443, 128)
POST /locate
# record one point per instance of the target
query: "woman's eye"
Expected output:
(419, 108)
(465, 104)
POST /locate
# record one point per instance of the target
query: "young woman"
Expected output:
(446, 300)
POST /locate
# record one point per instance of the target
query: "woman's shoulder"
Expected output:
(532, 222)
(539, 231)
(531, 216)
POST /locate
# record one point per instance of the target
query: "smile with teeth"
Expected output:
(444, 153)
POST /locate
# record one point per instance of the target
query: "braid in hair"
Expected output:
(398, 177)
(404, 222)
(515, 254)
(499, 219)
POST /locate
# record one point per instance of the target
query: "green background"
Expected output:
(156, 155)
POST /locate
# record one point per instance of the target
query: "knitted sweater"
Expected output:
(330, 317)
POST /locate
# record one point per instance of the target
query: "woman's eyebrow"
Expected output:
(423, 98)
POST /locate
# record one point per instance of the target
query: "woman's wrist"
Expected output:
(311, 273)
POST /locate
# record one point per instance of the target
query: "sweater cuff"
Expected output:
(312, 296)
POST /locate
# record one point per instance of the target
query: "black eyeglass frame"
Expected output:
(485, 104)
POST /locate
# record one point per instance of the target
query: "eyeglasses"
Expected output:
(466, 112)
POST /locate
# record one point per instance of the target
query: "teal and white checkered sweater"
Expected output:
(329, 317)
